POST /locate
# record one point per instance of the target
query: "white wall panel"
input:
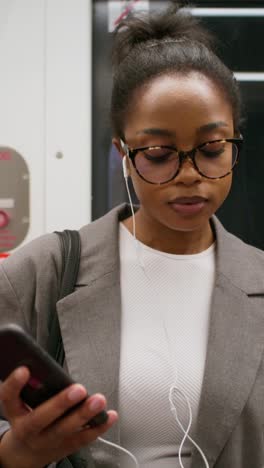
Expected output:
(68, 113)
(22, 94)
(45, 105)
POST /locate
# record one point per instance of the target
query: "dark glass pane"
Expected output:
(101, 93)
(242, 211)
(239, 37)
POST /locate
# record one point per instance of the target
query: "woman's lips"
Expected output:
(188, 205)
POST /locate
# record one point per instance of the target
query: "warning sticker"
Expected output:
(120, 9)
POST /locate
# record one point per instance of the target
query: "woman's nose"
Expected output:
(188, 173)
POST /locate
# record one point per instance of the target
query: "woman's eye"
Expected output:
(213, 154)
(213, 150)
(158, 155)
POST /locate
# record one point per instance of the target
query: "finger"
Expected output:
(10, 393)
(98, 430)
(48, 412)
(80, 416)
(88, 435)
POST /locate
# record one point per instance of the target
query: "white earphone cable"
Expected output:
(174, 387)
(122, 449)
(185, 431)
(132, 208)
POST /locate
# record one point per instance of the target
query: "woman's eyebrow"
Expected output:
(169, 133)
(211, 126)
(156, 132)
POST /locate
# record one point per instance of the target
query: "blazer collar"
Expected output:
(240, 263)
(100, 246)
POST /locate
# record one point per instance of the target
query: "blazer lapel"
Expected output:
(234, 351)
(90, 317)
(90, 326)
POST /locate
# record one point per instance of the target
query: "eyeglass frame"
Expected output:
(183, 155)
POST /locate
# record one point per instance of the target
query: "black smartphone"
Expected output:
(47, 378)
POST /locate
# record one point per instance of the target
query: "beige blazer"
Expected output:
(231, 413)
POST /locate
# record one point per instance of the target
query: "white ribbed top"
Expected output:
(165, 319)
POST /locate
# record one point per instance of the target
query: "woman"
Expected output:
(167, 310)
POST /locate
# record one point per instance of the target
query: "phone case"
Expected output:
(47, 378)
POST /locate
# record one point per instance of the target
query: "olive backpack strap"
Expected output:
(71, 250)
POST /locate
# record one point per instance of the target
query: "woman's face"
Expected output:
(183, 112)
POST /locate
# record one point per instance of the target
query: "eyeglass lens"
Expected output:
(159, 164)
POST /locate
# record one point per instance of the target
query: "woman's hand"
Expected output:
(40, 436)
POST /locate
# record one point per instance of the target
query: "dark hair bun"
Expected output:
(143, 28)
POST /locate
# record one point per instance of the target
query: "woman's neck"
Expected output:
(164, 239)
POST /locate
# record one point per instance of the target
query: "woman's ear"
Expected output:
(117, 143)
(122, 153)
(237, 134)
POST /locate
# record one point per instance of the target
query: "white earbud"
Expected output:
(126, 170)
